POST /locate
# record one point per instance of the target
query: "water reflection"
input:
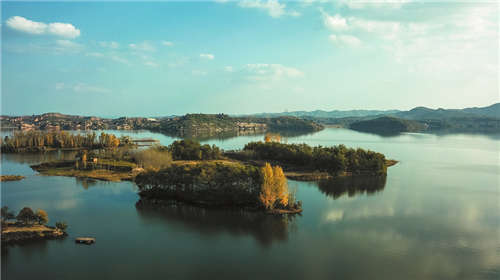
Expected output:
(264, 228)
(86, 183)
(352, 185)
(226, 135)
(35, 158)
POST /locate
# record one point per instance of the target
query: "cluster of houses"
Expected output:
(56, 121)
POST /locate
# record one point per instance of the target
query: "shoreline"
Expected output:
(116, 176)
(12, 234)
(10, 178)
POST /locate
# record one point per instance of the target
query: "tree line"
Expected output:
(334, 160)
(42, 140)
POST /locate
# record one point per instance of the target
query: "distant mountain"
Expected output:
(423, 113)
(482, 119)
(492, 111)
(417, 113)
(328, 114)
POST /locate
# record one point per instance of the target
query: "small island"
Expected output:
(28, 226)
(388, 125)
(7, 178)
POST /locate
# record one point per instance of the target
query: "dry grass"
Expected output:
(5, 178)
(99, 174)
(26, 229)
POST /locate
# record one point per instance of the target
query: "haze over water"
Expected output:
(435, 216)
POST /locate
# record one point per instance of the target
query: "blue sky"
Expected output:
(163, 58)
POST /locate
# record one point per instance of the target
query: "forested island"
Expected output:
(388, 125)
(29, 225)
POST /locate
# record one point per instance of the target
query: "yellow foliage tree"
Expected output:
(42, 217)
(266, 193)
(274, 187)
(272, 137)
(280, 186)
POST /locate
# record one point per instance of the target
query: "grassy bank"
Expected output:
(6, 178)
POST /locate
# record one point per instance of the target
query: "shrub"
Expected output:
(62, 225)
(153, 158)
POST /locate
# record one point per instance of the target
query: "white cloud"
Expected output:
(25, 25)
(85, 88)
(67, 46)
(382, 4)
(144, 47)
(273, 7)
(66, 30)
(335, 23)
(119, 59)
(386, 29)
(109, 45)
(346, 40)
(167, 43)
(208, 56)
(265, 72)
(229, 69)
(81, 88)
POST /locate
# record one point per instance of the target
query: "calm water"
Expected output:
(435, 216)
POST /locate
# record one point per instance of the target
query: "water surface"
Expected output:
(435, 216)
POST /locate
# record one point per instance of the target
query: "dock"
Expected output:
(85, 240)
(145, 141)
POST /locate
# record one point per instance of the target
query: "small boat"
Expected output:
(85, 240)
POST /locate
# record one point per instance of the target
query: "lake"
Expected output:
(435, 216)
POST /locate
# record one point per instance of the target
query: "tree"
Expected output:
(62, 225)
(42, 217)
(280, 186)
(266, 192)
(6, 214)
(26, 216)
(274, 189)
(272, 137)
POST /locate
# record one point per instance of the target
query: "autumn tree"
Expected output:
(280, 186)
(274, 189)
(272, 137)
(266, 191)
(42, 217)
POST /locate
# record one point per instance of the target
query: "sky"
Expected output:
(167, 58)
